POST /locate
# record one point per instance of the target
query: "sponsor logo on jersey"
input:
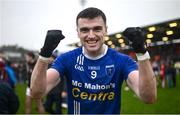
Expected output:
(93, 67)
(97, 92)
(99, 96)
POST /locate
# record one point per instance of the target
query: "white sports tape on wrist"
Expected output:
(45, 59)
(141, 57)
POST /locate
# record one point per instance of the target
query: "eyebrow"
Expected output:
(94, 28)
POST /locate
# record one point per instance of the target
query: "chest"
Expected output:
(102, 71)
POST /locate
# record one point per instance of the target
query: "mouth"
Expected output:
(92, 42)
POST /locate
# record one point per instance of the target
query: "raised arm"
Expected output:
(147, 82)
(43, 80)
(143, 81)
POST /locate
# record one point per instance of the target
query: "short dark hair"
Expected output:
(91, 13)
(31, 54)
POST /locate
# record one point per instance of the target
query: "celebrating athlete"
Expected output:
(94, 72)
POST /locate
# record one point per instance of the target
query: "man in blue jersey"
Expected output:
(94, 72)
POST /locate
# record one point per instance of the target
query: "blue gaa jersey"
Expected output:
(94, 85)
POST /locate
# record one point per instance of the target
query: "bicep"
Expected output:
(53, 78)
(133, 81)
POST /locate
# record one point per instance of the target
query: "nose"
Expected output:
(91, 34)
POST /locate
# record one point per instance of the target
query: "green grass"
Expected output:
(168, 101)
(21, 89)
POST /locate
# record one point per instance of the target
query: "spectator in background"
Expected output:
(162, 74)
(7, 73)
(9, 101)
(156, 69)
(177, 67)
(174, 75)
(3, 72)
(22, 72)
(30, 63)
(170, 75)
(53, 98)
(12, 77)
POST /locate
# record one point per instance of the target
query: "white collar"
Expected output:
(98, 57)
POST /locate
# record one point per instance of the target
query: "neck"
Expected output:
(95, 55)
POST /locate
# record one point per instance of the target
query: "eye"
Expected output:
(84, 30)
(97, 28)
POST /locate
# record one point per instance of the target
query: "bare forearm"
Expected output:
(147, 82)
(38, 79)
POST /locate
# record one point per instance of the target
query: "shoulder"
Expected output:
(69, 56)
(120, 58)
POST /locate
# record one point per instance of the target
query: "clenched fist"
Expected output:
(53, 37)
(136, 36)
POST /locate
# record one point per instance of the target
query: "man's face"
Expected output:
(28, 58)
(2, 63)
(91, 33)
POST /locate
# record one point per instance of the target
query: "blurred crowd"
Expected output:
(13, 73)
(166, 71)
(9, 100)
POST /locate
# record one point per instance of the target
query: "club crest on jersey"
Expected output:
(109, 70)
